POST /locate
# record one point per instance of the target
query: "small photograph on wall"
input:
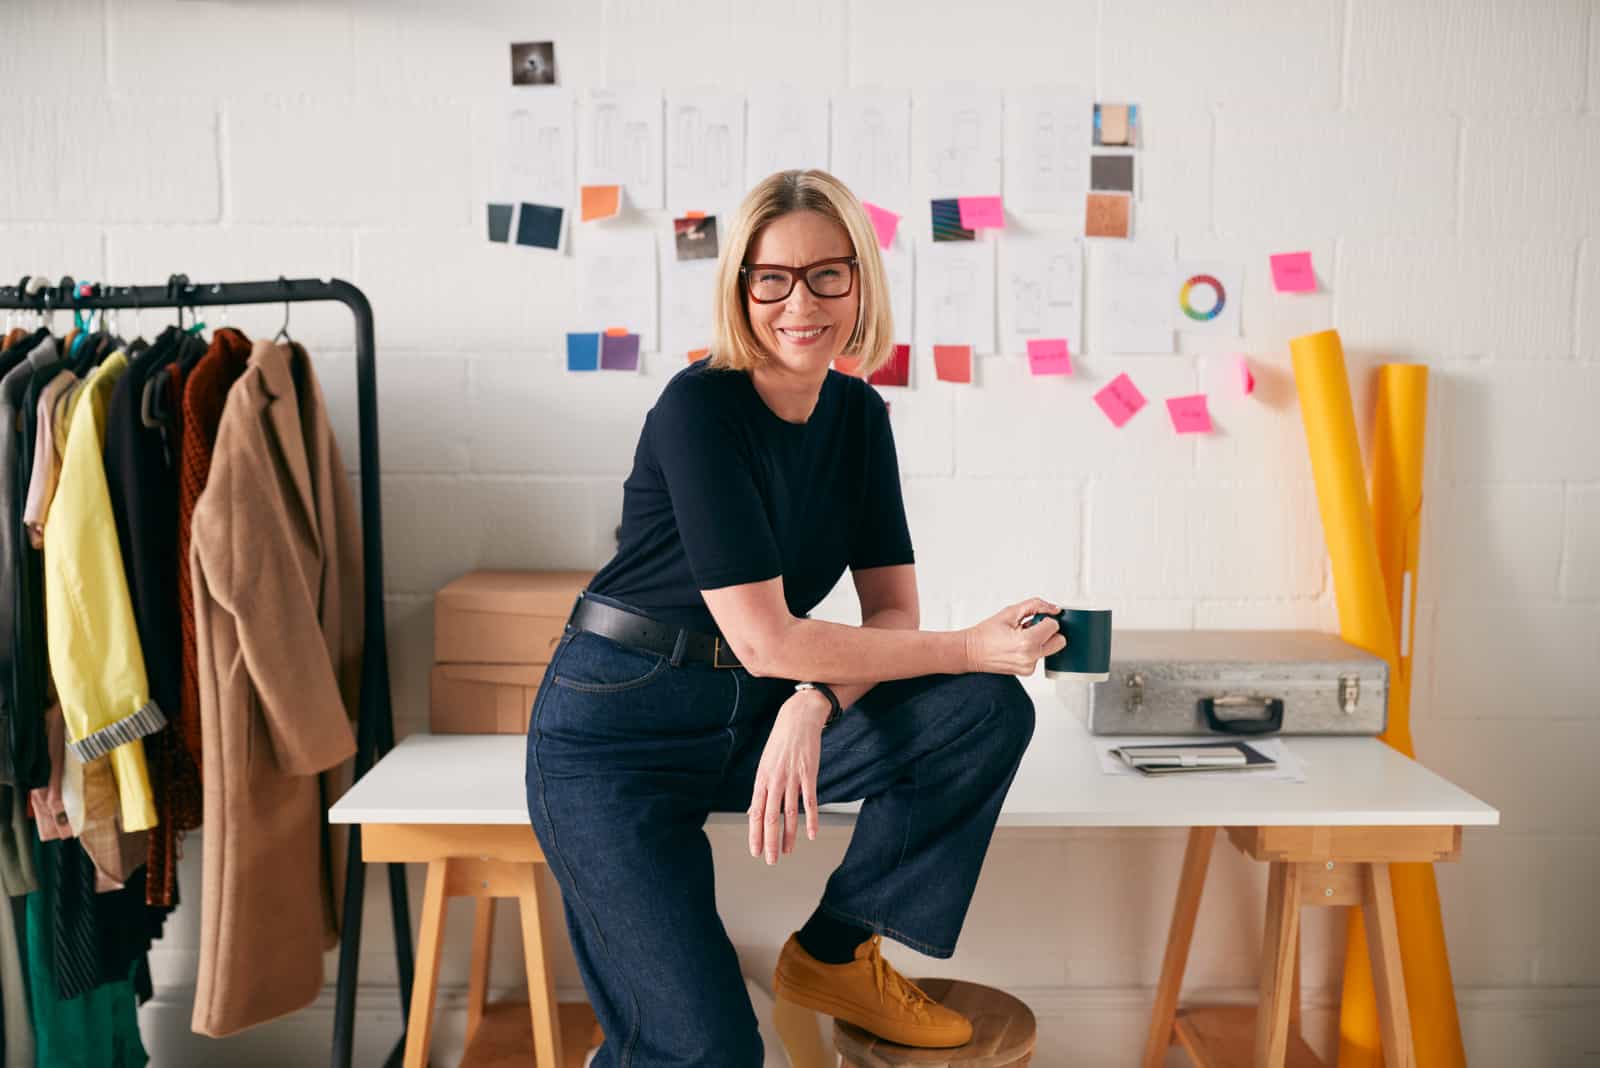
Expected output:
(533, 63)
(696, 237)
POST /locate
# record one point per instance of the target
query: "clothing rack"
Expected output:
(375, 725)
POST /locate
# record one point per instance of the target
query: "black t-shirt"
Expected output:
(724, 492)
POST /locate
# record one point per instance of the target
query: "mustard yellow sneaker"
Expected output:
(869, 993)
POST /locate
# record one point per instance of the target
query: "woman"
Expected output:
(689, 679)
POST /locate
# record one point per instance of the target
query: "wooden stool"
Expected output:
(1003, 1033)
(484, 863)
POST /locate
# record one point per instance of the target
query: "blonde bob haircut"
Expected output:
(734, 343)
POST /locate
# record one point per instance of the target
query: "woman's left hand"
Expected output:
(788, 775)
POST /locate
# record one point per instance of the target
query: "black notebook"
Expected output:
(1168, 758)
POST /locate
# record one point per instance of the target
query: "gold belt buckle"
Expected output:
(716, 655)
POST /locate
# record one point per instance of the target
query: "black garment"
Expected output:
(142, 480)
(724, 492)
(23, 716)
(99, 938)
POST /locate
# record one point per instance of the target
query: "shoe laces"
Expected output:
(894, 986)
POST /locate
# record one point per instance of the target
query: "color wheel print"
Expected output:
(1209, 313)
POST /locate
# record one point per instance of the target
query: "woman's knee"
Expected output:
(1005, 707)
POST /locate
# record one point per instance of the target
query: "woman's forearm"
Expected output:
(849, 693)
(840, 654)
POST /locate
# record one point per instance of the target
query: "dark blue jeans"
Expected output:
(627, 754)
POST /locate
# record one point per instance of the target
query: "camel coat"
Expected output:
(276, 564)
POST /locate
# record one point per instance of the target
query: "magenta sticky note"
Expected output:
(884, 221)
(1049, 356)
(981, 213)
(1292, 273)
(1247, 381)
(1119, 399)
(1189, 414)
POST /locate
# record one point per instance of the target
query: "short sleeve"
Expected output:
(706, 465)
(882, 537)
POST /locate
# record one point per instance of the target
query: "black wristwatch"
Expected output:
(834, 712)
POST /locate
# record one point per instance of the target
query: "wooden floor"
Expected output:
(1226, 1035)
(505, 1037)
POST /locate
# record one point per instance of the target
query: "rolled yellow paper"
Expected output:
(1319, 376)
(1400, 420)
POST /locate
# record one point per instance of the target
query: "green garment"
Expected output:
(100, 1029)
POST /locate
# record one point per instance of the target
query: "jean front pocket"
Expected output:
(597, 665)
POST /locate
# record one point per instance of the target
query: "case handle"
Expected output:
(1269, 720)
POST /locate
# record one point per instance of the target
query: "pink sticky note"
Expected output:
(1292, 273)
(1189, 414)
(1049, 356)
(981, 213)
(1120, 399)
(1247, 381)
(884, 222)
(952, 363)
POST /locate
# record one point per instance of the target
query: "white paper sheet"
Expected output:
(871, 146)
(955, 294)
(1041, 292)
(899, 265)
(1136, 294)
(1202, 298)
(1290, 767)
(617, 284)
(686, 290)
(958, 138)
(1048, 137)
(705, 151)
(533, 149)
(620, 138)
(786, 131)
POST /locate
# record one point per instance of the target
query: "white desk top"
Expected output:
(478, 778)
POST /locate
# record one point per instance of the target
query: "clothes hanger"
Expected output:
(283, 331)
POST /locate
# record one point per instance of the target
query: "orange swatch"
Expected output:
(1106, 215)
(698, 354)
(599, 202)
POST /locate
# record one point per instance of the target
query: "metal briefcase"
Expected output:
(1239, 682)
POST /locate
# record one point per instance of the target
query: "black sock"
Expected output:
(829, 940)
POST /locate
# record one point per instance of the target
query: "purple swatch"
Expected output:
(619, 352)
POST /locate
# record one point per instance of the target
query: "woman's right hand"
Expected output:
(1001, 645)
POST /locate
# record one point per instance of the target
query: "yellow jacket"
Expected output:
(92, 638)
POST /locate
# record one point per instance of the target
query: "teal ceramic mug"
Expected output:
(1087, 655)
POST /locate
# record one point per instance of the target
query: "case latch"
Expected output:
(1349, 693)
(1134, 682)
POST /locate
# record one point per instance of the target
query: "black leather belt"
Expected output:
(651, 635)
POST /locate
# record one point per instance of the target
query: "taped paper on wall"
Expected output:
(617, 283)
(955, 294)
(705, 150)
(1041, 291)
(784, 132)
(870, 143)
(1136, 284)
(959, 134)
(621, 143)
(1048, 134)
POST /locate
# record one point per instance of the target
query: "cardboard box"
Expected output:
(482, 698)
(504, 617)
(493, 634)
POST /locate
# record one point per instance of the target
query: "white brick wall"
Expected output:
(1440, 159)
